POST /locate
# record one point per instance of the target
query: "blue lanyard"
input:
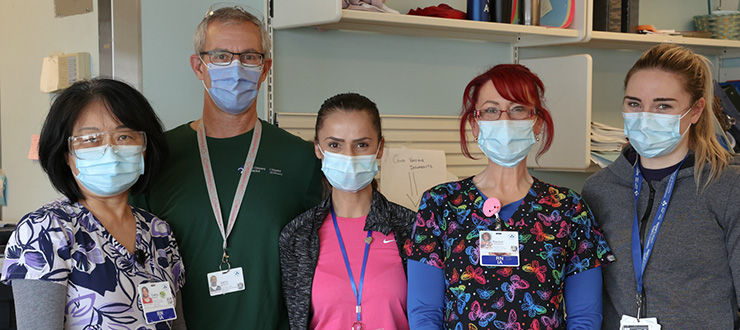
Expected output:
(358, 295)
(640, 258)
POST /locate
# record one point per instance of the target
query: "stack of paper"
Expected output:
(606, 143)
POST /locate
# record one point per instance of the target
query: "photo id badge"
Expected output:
(499, 248)
(223, 282)
(630, 323)
(157, 301)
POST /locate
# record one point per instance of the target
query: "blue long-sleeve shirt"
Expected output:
(426, 289)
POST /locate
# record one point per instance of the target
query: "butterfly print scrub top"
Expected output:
(558, 237)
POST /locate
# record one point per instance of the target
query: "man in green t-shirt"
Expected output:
(229, 154)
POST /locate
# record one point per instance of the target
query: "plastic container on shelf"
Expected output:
(722, 24)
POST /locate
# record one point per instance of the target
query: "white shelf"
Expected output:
(424, 26)
(634, 41)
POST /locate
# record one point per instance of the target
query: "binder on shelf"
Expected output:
(630, 10)
(477, 10)
(501, 11)
(616, 15)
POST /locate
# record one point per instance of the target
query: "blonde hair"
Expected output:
(697, 81)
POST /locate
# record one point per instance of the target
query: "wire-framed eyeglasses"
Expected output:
(92, 146)
(223, 57)
(517, 112)
(247, 10)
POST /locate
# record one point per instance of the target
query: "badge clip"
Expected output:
(224, 260)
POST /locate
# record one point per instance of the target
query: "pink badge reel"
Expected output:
(491, 206)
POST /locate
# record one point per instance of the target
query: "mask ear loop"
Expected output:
(690, 123)
(378, 150)
(534, 122)
(322, 150)
(687, 112)
(200, 57)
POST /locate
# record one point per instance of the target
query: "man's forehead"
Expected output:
(245, 33)
(233, 26)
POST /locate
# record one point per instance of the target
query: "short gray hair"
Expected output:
(230, 16)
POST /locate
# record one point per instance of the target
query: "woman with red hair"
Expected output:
(545, 250)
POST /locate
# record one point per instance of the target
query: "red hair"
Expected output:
(515, 83)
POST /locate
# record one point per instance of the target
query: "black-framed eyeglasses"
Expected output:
(517, 112)
(223, 57)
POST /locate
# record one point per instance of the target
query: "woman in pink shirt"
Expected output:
(341, 261)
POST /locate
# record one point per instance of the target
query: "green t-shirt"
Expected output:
(285, 181)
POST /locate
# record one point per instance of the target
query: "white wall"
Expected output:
(403, 75)
(29, 31)
(169, 83)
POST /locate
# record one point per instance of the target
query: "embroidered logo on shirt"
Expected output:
(255, 169)
(386, 241)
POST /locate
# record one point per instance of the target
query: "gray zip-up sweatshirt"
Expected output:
(692, 280)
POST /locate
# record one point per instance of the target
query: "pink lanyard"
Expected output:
(240, 189)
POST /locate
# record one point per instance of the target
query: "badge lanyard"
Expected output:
(205, 160)
(358, 294)
(640, 258)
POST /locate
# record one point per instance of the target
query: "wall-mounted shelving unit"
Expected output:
(423, 26)
(330, 16)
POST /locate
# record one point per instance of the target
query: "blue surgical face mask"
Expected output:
(234, 87)
(349, 173)
(506, 142)
(653, 134)
(114, 172)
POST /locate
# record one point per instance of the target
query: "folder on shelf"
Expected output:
(615, 15)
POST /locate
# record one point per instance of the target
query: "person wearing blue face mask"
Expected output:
(233, 181)
(342, 261)
(74, 258)
(669, 204)
(503, 249)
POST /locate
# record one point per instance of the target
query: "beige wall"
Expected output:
(29, 31)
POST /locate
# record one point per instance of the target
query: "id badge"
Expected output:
(646, 323)
(499, 248)
(157, 301)
(223, 282)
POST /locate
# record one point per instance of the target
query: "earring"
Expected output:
(537, 138)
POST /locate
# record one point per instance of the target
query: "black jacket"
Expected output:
(299, 249)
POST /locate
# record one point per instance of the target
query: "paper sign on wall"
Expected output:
(406, 173)
(64, 8)
(59, 71)
(33, 152)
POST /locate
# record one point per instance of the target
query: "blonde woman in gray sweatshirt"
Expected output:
(669, 204)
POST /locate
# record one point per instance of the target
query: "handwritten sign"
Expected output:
(33, 152)
(406, 173)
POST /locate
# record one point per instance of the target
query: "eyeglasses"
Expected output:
(247, 10)
(517, 112)
(93, 146)
(222, 57)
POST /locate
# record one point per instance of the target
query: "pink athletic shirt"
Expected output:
(384, 294)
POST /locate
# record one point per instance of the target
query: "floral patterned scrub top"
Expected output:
(64, 243)
(558, 237)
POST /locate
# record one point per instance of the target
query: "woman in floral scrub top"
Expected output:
(76, 262)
